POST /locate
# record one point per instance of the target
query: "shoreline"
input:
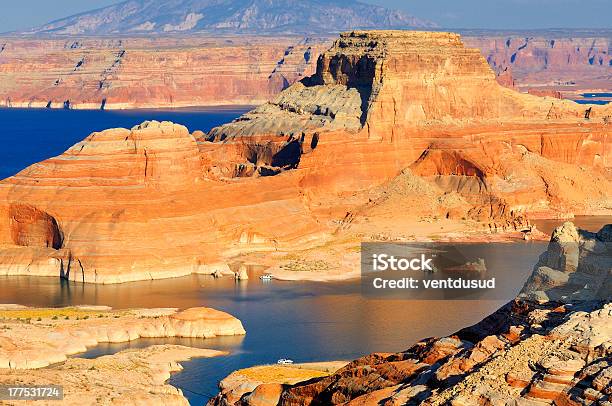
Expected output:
(348, 268)
(342, 255)
(89, 326)
(39, 347)
(130, 107)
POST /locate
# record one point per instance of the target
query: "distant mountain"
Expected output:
(232, 16)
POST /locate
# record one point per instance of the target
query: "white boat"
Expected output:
(266, 277)
(284, 361)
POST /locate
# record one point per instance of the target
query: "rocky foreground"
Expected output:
(398, 136)
(35, 345)
(533, 351)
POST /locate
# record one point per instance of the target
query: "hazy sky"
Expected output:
(21, 14)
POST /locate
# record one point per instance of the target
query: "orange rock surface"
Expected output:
(139, 72)
(394, 127)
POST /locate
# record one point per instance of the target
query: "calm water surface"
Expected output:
(303, 321)
(298, 320)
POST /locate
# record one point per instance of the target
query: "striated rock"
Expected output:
(408, 124)
(142, 72)
(546, 93)
(544, 64)
(498, 175)
(139, 72)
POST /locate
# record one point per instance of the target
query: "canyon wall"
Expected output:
(571, 63)
(207, 71)
(140, 72)
(393, 128)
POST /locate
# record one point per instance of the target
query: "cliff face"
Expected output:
(530, 352)
(572, 64)
(139, 72)
(393, 125)
(206, 71)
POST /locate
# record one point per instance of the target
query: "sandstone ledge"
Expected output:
(130, 377)
(35, 338)
(263, 383)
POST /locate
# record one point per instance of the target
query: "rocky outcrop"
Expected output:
(136, 72)
(263, 385)
(527, 353)
(570, 270)
(404, 89)
(36, 338)
(408, 123)
(135, 376)
(568, 62)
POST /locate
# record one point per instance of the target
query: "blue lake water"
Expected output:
(31, 135)
(303, 321)
(587, 101)
(595, 98)
(602, 95)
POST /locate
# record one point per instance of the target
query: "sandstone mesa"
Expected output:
(394, 127)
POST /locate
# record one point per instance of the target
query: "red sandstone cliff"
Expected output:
(204, 71)
(392, 128)
(140, 73)
(571, 64)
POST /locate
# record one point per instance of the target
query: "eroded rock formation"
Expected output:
(572, 63)
(138, 72)
(394, 127)
(133, 376)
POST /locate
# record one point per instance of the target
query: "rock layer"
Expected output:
(408, 123)
(139, 73)
(134, 72)
(128, 377)
(571, 63)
